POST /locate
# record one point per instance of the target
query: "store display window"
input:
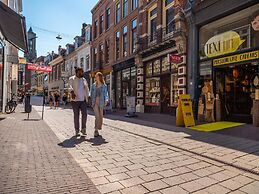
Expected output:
(152, 92)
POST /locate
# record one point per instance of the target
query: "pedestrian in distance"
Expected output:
(50, 100)
(56, 98)
(79, 97)
(64, 99)
(100, 98)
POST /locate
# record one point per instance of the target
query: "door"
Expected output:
(165, 94)
(233, 84)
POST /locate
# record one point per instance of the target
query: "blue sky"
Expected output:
(57, 16)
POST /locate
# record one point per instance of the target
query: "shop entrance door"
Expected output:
(125, 93)
(233, 84)
(165, 94)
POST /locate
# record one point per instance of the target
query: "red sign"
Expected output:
(35, 67)
(174, 58)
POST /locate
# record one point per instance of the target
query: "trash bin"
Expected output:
(27, 105)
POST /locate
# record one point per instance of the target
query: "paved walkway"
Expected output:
(148, 157)
(32, 162)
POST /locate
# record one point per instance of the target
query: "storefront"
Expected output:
(161, 85)
(124, 82)
(229, 57)
(1, 73)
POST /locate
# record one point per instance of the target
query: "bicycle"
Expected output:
(11, 105)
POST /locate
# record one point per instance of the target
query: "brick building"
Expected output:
(162, 33)
(114, 46)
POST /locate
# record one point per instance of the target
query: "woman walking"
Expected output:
(100, 98)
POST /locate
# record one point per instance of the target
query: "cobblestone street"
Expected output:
(138, 158)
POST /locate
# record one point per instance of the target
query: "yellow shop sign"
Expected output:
(236, 58)
(221, 44)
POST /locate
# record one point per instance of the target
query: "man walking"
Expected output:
(79, 93)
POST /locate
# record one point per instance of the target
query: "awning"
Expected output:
(12, 26)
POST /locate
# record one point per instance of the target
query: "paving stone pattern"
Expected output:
(143, 158)
(32, 162)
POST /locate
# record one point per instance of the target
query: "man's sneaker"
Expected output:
(83, 131)
(96, 133)
(77, 134)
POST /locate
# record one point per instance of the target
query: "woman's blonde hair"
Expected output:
(100, 75)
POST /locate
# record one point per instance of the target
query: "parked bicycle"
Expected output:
(11, 105)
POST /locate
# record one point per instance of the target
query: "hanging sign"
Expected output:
(184, 113)
(236, 58)
(35, 67)
(174, 58)
(224, 43)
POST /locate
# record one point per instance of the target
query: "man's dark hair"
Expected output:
(255, 14)
(78, 69)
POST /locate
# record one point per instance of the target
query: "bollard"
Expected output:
(27, 104)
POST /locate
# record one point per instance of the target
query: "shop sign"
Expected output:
(22, 60)
(14, 72)
(236, 58)
(184, 113)
(224, 43)
(35, 67)
(174, 58)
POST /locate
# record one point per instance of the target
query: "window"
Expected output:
(167, 2)
(63, 67)
(125, 8)
(87, 62)
(134, 4)
(134, 36)
(108, 18)
(107, 51)
(101, 53)
(95, 28)
(101, 24)
(117, 44)
(152, 24)
(75, 63)
(82, 62)
(125, 41)
(168, 17)
(118, 12)
(30, 45)
(95, 57)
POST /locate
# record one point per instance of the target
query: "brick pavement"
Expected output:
(32, 162)
(147, 158)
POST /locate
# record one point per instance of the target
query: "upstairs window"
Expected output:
(108, 18)
(95, 28)
(134, 4)
(117, 44)
(118, 12)
(101, 24)
(125, 8)
(134, 35)
(125, 41)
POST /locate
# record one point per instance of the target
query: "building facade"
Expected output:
(9, 59)
(163, 33)
(114, 41)
(56, 83)
(223, 51)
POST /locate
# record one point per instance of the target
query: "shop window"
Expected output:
(149, 69)
(118, 89)
(229, 34)
(156, 67)
(165, 65)
(133, 81)
(82, 62)
(87, 62)
(152, 96)
(174, 86)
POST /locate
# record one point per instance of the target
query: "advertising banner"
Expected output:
(35, 67)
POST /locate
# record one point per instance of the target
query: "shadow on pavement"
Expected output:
(72, 142)
(97, 141)
(244, 138)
